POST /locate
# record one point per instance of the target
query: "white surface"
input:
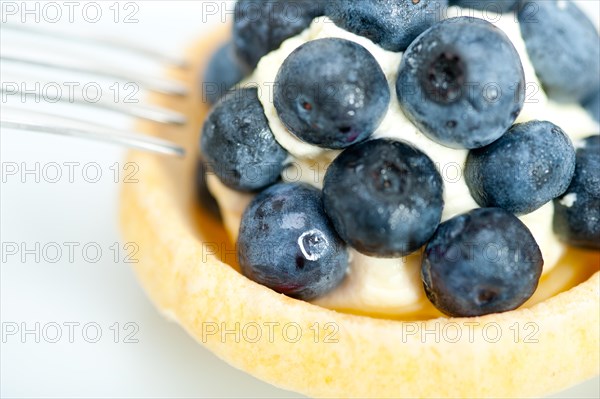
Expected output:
(165, 362)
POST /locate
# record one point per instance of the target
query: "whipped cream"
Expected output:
(392, 287)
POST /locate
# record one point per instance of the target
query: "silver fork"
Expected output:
(35, 120)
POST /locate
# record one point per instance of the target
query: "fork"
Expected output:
(35, 120)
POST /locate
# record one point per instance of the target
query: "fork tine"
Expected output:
(35, 121)
(152, 113)
(162, 85)
(109, 42)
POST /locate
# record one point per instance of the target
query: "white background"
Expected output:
(165, 362)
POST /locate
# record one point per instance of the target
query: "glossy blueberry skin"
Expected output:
(203, 194)
(222, 73)
(530, 165)
(384, 197)
(592, 105)
(392, 24)
(484, 261)
(239, 145)
(287, 243)
(260, 26)
(331, 93)
(499, 6)
(461, 83)
(579, 223)
(568, 66)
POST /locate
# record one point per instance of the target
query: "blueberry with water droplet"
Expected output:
(288, 244)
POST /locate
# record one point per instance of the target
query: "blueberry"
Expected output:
(239, 145)
(498, 6)
(530, 165)
(484, 261)
(287, 243)
(461, 83)
(261, 26)
(577, 212)
(384, 197)
(393, 24)
(222, 72)
(203, 194)
(564, 48)
(331, 93)
(592, 105)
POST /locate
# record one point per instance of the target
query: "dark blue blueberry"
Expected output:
(393, 24)
(384, 197)
(498, 6)
(222, 73)
(461, 83)
(203, 194)
(238, 144)
(564, 48)
(331, 93)
(261, 26)
(484, 261)
(530, 165)
(592, 105)
(577, 212)
(287, 243)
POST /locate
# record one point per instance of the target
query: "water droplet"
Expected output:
(313, 244)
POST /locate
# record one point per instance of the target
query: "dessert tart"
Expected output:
(317, 283)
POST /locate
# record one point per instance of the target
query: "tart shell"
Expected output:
(187, 267)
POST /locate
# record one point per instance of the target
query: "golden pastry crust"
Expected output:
(532, 351)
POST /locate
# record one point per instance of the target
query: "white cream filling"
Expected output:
(393, 286)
